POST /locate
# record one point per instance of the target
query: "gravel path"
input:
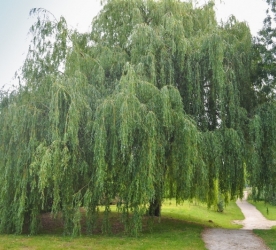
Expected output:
(228, 239)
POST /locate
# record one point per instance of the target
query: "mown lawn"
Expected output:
(179, 228)
(169, 235)
(198, 213)
(269, 237)
(268, 211)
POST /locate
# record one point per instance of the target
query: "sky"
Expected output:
(15, 23)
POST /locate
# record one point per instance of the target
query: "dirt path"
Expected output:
(227, 239)
(253, 217)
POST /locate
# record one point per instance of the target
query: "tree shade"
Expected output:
(154, 102)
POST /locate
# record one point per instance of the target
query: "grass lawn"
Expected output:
(268, 211)
(172, 236)
(198, 213)
(179, 228)
(269, 237)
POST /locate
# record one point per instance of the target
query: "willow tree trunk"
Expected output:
(155, 208)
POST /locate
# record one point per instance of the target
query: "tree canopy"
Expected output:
(261, 169)
(157, 100)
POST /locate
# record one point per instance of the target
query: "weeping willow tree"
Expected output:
(261, 150)
(153, 102)
(262, 172)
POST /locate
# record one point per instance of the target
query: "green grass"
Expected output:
(179, 228)
(268, 236)
(198, 213)
(179, 237)
(269, 212)
(168, 234)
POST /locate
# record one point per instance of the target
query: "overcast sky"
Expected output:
(15, 23)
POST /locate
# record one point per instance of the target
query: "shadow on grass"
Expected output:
(151, 226)
(179, 228)
(167, 233)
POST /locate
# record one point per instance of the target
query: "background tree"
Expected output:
(261, 169)
(265, 54)
(153, 102)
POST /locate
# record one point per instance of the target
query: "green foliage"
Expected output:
(262, 129)
(262, 171)
(152, 102)
(265, 48)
